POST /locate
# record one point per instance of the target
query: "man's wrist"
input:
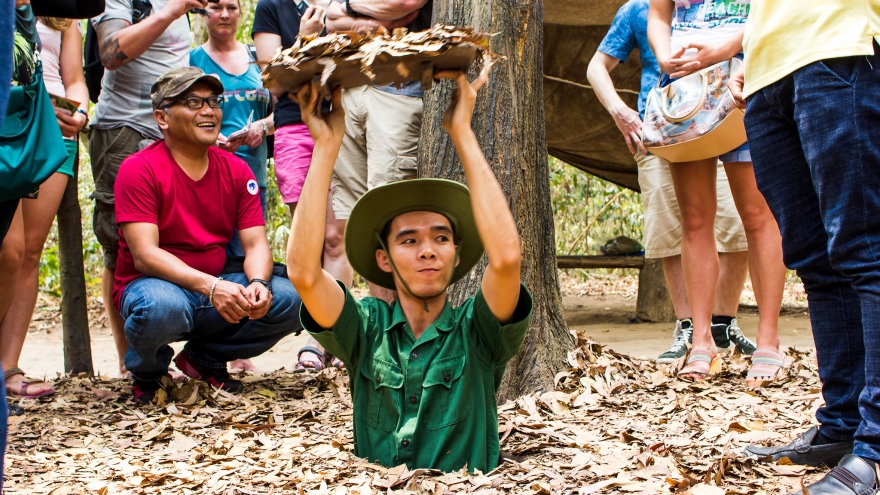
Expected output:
(350, 11)
(264, 283)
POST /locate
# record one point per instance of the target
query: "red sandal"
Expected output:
(25, 384)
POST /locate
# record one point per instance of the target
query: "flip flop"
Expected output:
(25, 384)
(766, 367)
(701, 362)
(316, 364)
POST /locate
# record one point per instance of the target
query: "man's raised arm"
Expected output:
(320, 293)
(495, 223)
(120, 41)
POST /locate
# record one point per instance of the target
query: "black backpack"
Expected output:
(92, 66)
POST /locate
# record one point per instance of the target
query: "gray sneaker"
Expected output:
(742, 343)
(681, 339)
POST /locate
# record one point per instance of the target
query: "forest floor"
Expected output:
(616, 422)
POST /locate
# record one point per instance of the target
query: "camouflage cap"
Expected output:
(175, 82)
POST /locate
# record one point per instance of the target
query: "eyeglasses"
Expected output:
(197, 102)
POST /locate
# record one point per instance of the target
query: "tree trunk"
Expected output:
(74, 311)
(509, 123)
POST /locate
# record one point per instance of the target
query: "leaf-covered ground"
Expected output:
(613, 425)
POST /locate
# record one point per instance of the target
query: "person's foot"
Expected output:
(144, 391)
(215, 377)
(18, 386)
(810, 448)
(309, 359)
(701, 364)
(732, 334)
(682, 336)
(766, 367)
(854, 475)
(242, 365)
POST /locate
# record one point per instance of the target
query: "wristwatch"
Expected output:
(80, 110)
(350, 11)
(265, 128)
(265, 284)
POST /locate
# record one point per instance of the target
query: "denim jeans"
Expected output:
(158, 313)
(234, 249)
(816, 155)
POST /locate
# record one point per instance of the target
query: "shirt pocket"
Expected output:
(445, 401)
(382, 394)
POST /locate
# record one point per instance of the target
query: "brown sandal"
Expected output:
(25, 384)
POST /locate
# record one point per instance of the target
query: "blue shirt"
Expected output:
(629, 31)
(242, 94)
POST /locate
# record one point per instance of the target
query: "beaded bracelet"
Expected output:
(213, 286)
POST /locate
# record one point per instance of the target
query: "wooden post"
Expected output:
(74, 311)
(654, 303)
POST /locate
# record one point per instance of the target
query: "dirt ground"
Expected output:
(602, 308)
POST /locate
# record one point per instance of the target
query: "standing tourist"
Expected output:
(628, 32)
(811, 84)
(700, 37)
(61, 56)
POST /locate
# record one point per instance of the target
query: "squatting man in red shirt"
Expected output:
(177, 204)
(423, 374)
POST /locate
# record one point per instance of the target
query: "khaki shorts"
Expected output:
(380, 146)
(107, 149)
(663, 218)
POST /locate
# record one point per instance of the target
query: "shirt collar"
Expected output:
(443, 323)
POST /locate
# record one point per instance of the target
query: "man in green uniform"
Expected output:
(423, 374)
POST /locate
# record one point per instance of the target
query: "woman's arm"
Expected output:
(70, 62)
(660, 33)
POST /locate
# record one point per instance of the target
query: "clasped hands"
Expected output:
(234, 301)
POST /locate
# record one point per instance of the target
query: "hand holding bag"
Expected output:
(695, 117)
(31, 146)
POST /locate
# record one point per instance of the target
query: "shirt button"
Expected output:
(446, 377)
(413, 399)
(414, 355)
(404, 442)
(378, 378)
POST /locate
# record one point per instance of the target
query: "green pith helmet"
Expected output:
(380, 205)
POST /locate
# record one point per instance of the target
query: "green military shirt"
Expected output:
(426, 403)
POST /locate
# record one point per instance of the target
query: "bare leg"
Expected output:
(117, 324)
(37, 217)
(674, 276)
(731, 278)
(765, 251)
(335, 261)
(695, 191)
(11, 255)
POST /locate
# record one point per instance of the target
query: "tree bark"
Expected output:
(509, 123)
(74, 311)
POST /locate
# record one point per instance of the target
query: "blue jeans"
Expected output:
(816, 155)
(158, 313)
(234, 249)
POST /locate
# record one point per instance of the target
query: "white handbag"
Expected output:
(695, 117)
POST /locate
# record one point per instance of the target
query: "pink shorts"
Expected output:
(293, 155)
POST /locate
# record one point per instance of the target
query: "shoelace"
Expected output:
(736, 335)
(681, 338)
